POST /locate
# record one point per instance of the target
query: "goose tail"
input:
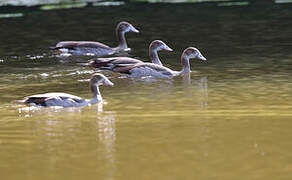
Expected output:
(53, 48)
(19, 101)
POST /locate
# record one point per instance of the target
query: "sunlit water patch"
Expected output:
(11, 15)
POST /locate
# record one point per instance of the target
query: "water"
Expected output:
(229, 119)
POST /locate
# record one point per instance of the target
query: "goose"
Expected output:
(155, 70)
(96, 48)
(110, 63)
(68, 100)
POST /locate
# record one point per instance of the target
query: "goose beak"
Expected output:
(107, 82)
(167, 48)
(201, 57)
(133, 29)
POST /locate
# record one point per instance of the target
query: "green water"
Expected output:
(229, 119)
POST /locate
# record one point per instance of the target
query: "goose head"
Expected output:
(100, 79)
(126, 27)
(158, 45)
(192, 52)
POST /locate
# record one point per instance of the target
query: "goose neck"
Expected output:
(95, 91)
(185, 62)
(154, 57)
(121, 39)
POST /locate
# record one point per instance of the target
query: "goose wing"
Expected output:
(80, 44)
(118, 60)
(113, 62)
(42, 99)
(146, 69)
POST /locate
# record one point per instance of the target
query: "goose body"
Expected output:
(115, 62)
(96, 48)
(69, 100)
(79, 48)
(110, 63)
(155, 70)
(147, 69)
(58, 99)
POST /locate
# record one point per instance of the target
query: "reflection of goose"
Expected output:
(187, 79)
(107, 137)
(111, 63)
(150, 69)
(68, 100)
(203, 86)
(97, 48)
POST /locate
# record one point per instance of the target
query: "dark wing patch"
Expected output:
(111, 63)
(104, 60)
(40, 101)
(123, 69)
